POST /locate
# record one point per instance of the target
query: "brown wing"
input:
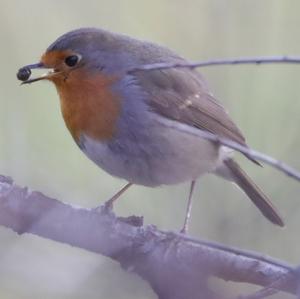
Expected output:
(181, 94)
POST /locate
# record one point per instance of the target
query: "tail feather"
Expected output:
(254, 193)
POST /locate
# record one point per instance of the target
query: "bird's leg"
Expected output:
(109, 203)
(188, 209)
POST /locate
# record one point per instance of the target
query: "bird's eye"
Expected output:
(72, 60)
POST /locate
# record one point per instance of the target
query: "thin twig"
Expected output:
(262, 293)
(275, 286)
(237, 251)
(214, 62)
(281, 166)
(270, 289)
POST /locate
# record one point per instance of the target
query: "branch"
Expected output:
(175, 265)
(214, 62)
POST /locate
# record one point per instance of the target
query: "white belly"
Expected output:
(162, 155)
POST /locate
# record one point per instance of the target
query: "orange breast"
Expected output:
(88, 105)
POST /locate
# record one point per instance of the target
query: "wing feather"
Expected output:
(182, 95)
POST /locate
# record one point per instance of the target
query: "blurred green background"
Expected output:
(37, 151)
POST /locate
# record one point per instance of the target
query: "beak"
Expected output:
(24, 73)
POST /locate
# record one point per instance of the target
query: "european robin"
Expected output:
(126, 122)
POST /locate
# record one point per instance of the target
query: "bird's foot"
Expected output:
(109, 204)
(105, 208)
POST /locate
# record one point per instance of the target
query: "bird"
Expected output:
(136, 125)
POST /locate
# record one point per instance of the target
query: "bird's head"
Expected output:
(83, 52)
(84, 65)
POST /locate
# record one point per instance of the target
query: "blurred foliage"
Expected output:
(37, 151)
